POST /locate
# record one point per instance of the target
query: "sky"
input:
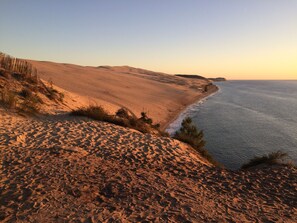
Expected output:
(236, 39)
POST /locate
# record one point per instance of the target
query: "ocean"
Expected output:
(246, 119)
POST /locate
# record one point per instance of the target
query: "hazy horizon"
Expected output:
(234, 39)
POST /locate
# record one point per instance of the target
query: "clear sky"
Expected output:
(238, 39)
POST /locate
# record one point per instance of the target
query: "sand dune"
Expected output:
(62, 168)
(163, 96)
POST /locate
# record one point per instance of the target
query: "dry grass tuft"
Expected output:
(31, 105)
(269, 159)
(122, 117)
(8, 98)
(24, 101)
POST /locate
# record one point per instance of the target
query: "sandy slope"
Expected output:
(60, 169)
(161, 95)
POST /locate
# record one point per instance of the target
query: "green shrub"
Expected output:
(189, 134)
(269, 159)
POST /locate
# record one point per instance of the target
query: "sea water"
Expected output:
(246, 119)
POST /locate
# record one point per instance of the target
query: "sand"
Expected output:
(69, 169)
(162, 96)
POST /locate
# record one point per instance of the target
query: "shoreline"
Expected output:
(204, 95)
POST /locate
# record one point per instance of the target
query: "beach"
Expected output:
(212, 90)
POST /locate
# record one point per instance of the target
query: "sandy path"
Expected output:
(73, 169)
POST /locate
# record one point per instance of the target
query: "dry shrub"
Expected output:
(121, 118)
(4, 73)
(31, 105)
(93, 112)
(123, 113)
(53, 94)
(26, 93)
(269, 159)
(8, 97)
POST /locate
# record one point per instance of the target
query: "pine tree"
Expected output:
(189, 133)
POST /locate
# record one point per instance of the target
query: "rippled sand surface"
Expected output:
(67, 169)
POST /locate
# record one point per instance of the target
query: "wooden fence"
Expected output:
(18, 66)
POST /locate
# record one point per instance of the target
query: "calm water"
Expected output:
(247, 118)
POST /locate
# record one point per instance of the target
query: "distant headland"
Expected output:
(195, 76)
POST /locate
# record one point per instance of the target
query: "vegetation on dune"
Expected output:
(93, 112)
(189, 134)
(53, 94)
(8, 97)
(123, 113)
(20, 86)
(269, 159)
(31, 104)
(145, 118)
(122, 117)
(20, 69)
(24, 101)
(26, 93)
